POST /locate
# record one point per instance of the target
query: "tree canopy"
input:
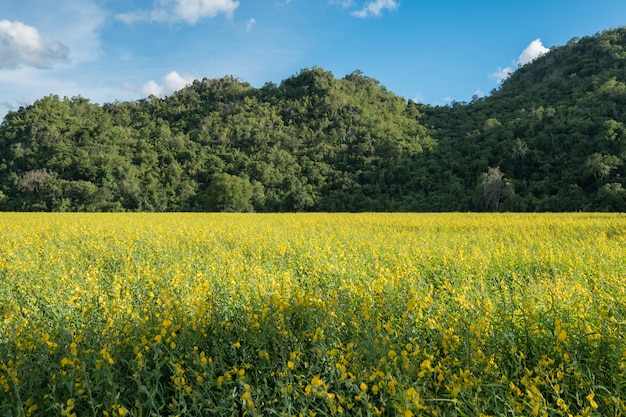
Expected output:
(552, 137)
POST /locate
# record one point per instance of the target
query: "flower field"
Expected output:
(312, 314)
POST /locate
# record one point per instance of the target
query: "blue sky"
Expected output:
(429, 51)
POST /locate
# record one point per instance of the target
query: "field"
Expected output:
(312, 314)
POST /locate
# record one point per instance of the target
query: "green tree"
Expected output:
(600, 165)
(493, 189)
(612, 197)
(228, 192)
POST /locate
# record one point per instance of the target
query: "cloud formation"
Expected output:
(251, 22)
(501, 74)
(343, 3)
(22, 45)
(375, 8)
(533, 51)
(181, 10)
(171, 82)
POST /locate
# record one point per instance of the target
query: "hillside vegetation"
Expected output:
(552, 137)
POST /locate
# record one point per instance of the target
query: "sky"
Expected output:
(433, 52)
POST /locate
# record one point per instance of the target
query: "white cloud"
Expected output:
(176, 10)
(152, 88)
(171, 82)
(375, 8)
(343, 3)
(22, 45)
(534, 50)
(69, 33)
(251, 22)
(501, 74)
(132, 17)
(192, 10)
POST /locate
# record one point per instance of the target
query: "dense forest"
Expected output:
(551, 137)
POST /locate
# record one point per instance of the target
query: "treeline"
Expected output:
(551, 138)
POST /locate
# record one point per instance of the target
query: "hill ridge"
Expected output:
(552, 137)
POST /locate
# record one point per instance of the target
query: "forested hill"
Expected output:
(551, 138)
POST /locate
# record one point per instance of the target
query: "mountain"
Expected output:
(554, 129)
(552, 137)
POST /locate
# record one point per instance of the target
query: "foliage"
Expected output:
(296, 314)
(229, 193)
(493, 188)
(555, 128)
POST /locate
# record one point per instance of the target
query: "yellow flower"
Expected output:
(31, 409)
(106, 355)
(592, 401)
(316, 381)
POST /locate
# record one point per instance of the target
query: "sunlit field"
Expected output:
(312, 314)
